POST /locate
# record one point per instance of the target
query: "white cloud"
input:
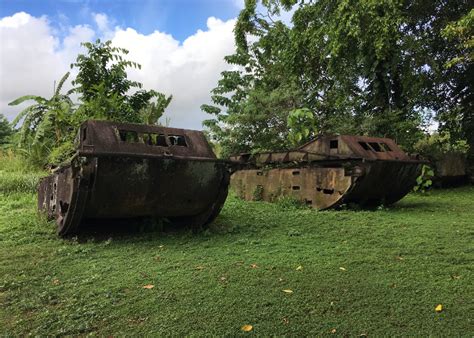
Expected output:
(101, 21)
(188, 71)
(32, 57)
(29, 63)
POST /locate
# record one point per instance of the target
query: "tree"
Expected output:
(105, 92)
(46, 123)
(5, 130)
(458, 118)
(367, 67)
(252, 103)
(103, 85)
(153, 111)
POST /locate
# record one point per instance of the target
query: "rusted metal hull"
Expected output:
(187, 191)
(327, 184)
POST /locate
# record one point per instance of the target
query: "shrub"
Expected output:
(436, 145)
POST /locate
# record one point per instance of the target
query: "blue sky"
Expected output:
(181, 45)
(180, 18)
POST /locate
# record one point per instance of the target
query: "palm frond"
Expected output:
(22, 99)
(61, 83)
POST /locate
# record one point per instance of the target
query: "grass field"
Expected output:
(379, 272)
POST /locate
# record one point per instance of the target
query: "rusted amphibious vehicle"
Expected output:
(130, 170)
(329, 171)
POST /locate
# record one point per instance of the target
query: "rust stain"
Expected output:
(129, 170)
(329, 171)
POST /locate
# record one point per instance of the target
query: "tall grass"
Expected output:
(16, 174)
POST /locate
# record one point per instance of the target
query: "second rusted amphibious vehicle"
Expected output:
(330, 171)
(130, 170)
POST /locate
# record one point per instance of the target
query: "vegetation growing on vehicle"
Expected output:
(425, 180)
(48, 126)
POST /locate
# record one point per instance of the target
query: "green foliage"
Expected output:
(290, 202)
(399, 264)
(153, 111)
(61, 153)
(49, 126)
(434, 146)
(302, 125)
(461, 32)
(103, 86)
(16, 174)
(366, 67)
(257, 194)
(424, 181)
(251, 104)
(5, 130)
(46, 123)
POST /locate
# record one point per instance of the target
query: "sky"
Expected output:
(179, 43)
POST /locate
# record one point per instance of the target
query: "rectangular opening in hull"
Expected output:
(385, 147)
(376, 147)
(325, 191)
(364, 145)
(128, 136)
(177, 140)
(160, 141)
(295, 187)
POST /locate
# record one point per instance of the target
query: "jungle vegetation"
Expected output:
(385, 68)
(377, 67)
(49, 125)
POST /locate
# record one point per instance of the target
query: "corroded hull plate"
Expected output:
(190, 191)
(322, 187)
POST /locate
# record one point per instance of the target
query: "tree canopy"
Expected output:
(5, 130)
(377, 67)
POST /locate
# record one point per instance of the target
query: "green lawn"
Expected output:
(377, 272)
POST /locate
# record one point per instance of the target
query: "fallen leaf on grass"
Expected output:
(285, 321)
(247, 328)
(342, 269)
(138, 320)
(199, 267)
(455, 277)
(333, 331)
(148, 286)
(439, 308)
(287, 291)
(299, 268)
(253, 266)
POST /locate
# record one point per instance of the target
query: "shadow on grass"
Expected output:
(100, 230)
